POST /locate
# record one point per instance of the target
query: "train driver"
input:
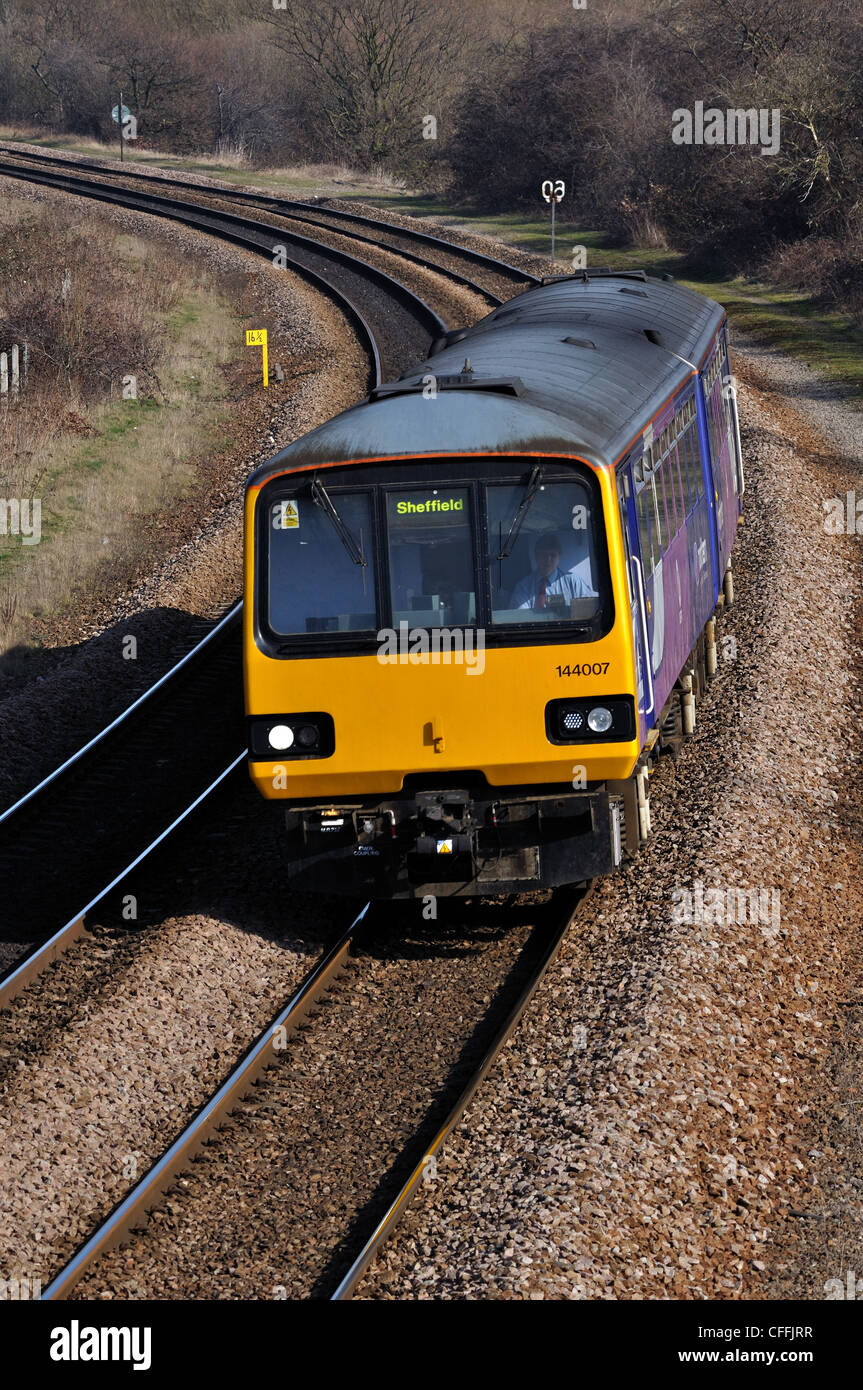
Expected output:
(547, 580)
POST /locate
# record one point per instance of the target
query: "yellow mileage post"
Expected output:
(257, 337)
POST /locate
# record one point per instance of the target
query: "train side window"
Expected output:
(685, 478)
(642, 511)
(713, 403)
(665, 504)
(728, 405)
(659, 526)
(715, 428)
(680, 483)
(672, 494)
(693, 452)
(697, 462)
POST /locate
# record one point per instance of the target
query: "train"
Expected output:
(482, 602)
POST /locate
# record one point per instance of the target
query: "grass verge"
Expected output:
(103, 462)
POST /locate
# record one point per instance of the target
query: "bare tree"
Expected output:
(149, 66)
(50, 31)
(371, 64)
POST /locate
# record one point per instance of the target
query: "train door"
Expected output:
(710, 489)
(710, 463)
(639, 601)
(729, 398)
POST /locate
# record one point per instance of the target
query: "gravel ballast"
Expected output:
(663, 1151)
(676, 1115)
(105, 1057)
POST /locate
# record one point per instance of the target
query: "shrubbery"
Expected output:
(521, 90)
(86, 321)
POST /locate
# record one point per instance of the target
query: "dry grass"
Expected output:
(336, 173)
(66, 292)
(229, 155)
(101, 463)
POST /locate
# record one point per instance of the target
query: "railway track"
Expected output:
(390, 339)
(80, 831)
(385, 234)
(70, 820)
(370, 1225)
(191, 718)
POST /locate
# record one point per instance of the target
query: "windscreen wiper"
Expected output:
(530, 491)
(324, 501)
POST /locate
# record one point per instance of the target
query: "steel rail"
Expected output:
(373, 351)
(35, 961)
(229, 618)
(400, 1203)
(19, 975)
(248, 232)
(321, 282)
(492, 263)
(132, 1210)
(411, 256)
(286, 208)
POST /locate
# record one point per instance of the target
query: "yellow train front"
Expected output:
(450, 673)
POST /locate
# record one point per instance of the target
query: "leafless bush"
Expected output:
(87, 318)
(827, 269)
(8, 609)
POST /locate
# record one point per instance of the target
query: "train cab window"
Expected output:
(542, 553)
(321, 570)
(431, 556)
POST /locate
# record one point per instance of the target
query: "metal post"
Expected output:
(120, 124)
(15, 377)
(553, 207)
(4, 373)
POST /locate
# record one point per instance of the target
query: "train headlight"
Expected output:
(600, 719)
(290, 736)
(581, 719)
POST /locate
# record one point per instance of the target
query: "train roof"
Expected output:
(577, 365)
